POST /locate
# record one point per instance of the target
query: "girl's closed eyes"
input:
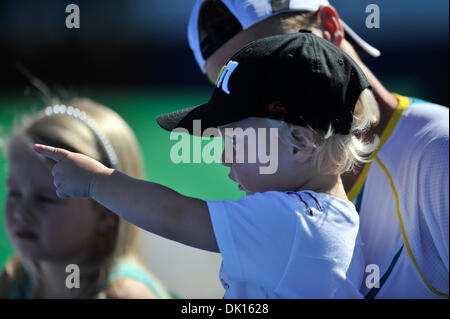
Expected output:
(48, 197)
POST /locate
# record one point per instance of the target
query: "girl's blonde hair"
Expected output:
(338, 153)
(67, 132)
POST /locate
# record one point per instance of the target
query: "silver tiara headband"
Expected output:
(61, 109)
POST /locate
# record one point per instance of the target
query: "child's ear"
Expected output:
(304, 140)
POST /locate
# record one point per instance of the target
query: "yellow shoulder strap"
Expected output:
(403, 103)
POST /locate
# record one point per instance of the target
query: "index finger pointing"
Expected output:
(56, 154)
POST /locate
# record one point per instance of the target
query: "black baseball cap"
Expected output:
(299, 78)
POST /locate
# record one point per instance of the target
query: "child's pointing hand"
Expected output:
(148, 205)
(74, 173)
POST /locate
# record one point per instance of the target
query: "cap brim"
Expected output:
(170, 121)
(361, 45)
(208, 115)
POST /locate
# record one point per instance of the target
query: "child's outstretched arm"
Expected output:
(148, 205)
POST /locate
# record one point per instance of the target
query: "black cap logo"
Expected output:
(224, 75)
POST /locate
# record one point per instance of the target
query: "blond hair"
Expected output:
(291, 22)
(339, 153)
(70, 133)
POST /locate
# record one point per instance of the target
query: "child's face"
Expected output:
(39, 225)
(248, 174)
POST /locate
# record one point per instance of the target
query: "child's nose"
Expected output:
(24, 212)
(225, 159)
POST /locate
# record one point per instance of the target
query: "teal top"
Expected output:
(124, 269)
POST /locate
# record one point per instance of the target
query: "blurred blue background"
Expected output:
(143, 43)
(133, 56)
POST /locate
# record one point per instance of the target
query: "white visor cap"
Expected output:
(250, 12)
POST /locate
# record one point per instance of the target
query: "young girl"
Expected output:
(58, 239)
(295, 234)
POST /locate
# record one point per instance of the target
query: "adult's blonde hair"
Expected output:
(339, 153)
(67, 132)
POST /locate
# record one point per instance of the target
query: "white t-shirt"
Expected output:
(403, 200)
(288, 245)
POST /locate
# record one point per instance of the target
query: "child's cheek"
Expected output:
(57, 234)
(73, 226)
(8, 218)
(247, 175)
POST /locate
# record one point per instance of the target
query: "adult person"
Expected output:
(402, 195)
